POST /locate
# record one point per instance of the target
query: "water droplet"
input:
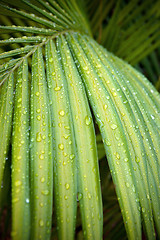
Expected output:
(66, 136)
(89, 225)
(137, 159)
(64, 163)
(19, 100)
(45, 192)
(19, 106)
(38, 110)
(133, 188)
(67, 186)
(65, 197)
(18, 183)
(67, 127)
(107, 143)
(127, 184)
(126, 159)
(51, 60)
(61, 113)
(105, 106)
(85, 68)
(27, 200)
(38, 137)
(37, 94)
(57, 88)
(89, 196)
(113, 126)
(38, 117)
(42, 179)
(14, 200)
(72, 156)
(88, 120)
(79, 196)
(143, 209)
(44, 137)
(41, 223)
(117, 156)
(41, 156)
(61, 146)
(60, 125)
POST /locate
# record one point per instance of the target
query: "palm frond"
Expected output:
(127, 28)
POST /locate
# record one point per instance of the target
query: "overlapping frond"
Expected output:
(130, 30)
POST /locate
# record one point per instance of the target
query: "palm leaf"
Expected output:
(75, 82)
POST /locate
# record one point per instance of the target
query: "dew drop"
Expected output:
(79, 196)
(105, 106)
(38, 137)
(107, 143)
(72, 156)
(126, 159)
(137, 159)
(57, 88)
(89, 196)
(19, 100)
(42, 179)
(44, 137)
(14, 200)
(61, 146)
(45, 192)
(66, 136)
(61, 113)
(117, 156)
(38, 117)
(88, 120)
(85, 68)
(41, 223)
(127, 184)
(65, 197)
(133, 188)
(41, 156)
(113, 126)
(67, 186)
(38, 110)
(18, 183)
(143, 209)
(37, 94)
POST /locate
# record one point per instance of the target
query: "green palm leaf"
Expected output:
(72, 85)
